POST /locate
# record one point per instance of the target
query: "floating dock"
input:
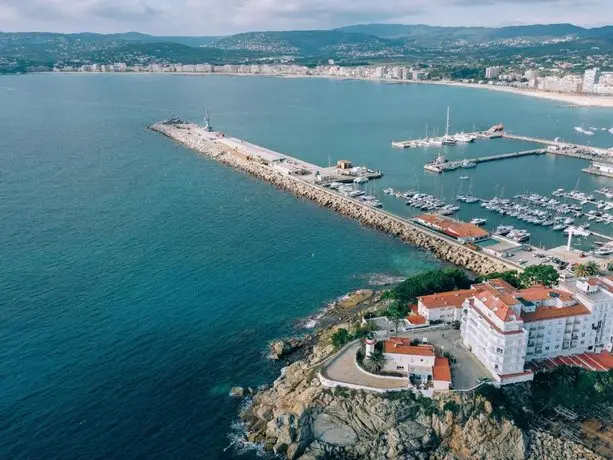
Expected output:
(453, 165)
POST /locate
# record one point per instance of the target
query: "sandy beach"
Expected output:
(578, 100)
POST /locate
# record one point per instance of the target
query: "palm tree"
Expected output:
(375, 362)
(580, 271)
(592, 269)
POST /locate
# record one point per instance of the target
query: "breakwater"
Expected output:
(444, 248)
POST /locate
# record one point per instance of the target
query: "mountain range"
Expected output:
(350, 44)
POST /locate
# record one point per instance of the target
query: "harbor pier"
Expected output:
(248, 160)
(440, 166)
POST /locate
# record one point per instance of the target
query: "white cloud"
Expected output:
(212, 17)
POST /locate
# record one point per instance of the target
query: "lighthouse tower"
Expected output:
(369, 346)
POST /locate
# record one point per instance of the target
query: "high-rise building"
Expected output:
(492, 72)
(590, 78)
(506, 328)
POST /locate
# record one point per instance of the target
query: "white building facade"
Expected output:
(507, 328)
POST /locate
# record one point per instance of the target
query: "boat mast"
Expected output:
(447, 128)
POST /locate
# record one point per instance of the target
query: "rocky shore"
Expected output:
(443, 248)
(298, 418)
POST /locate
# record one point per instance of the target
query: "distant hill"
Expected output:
(425, 34)
(310, 42)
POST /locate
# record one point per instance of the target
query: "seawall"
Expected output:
(444, 248)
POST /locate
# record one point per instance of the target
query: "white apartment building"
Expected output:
(590, 78)
(506, 328)
(446, 306)
(493, 72)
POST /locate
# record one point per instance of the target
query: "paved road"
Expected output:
(343, 368)
(465, 372)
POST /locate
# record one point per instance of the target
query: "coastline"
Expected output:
(571, 100)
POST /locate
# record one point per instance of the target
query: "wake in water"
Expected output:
(239, 444)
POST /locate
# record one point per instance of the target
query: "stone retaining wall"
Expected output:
(442, 247)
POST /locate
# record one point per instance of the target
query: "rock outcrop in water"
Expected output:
(442, 248)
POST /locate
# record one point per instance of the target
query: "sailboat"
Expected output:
(447, 139)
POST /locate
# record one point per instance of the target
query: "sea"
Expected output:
(140, 282)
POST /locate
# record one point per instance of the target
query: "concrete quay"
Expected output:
(453, 165)
(557, 147)
(447, 249)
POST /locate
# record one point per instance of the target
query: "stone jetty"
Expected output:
(444, 248)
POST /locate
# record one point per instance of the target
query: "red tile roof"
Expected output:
(496, 328)
(403, 346)
(454, 228)
(446, 299)
(416, 319)
(541, 293)
(499, 304)
(441, 370)
(545, 313)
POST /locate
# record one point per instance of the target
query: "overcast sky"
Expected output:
(221, 17)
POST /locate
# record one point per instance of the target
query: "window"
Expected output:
(557, 346)
(399, 368)
(582, 342)
(583, 335)
(495, 366)
(590, 347)
(499, 350)
(546, 348)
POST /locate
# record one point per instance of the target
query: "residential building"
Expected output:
(419, 362)
(493, 72)
(507, 328)
(446, 306)
(590, 77)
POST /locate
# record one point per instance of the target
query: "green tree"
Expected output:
(375, 362)
(510, 276)
(580, 270)
(340, 338)
(539, 274)
(592, 269)
(430, 282)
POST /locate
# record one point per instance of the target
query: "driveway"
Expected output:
(344, 369)
(467, 370)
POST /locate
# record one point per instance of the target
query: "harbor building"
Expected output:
(462, 231)
(512, 330)
(418, 362)
(600, 169)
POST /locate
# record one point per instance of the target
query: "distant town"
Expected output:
(558, 79)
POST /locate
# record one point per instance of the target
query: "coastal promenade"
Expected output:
(215, 145)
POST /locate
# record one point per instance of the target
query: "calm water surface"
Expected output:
(140, 282)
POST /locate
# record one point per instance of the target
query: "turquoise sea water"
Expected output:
(139, 281)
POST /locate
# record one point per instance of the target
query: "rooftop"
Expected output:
(441, 370)
(544, 313)
(446, 299)
(403, 346)
(454, 228)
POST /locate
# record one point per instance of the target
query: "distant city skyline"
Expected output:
(224, 17)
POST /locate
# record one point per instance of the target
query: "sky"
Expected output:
(223, 17)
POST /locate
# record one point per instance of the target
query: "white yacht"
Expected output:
(478, 221)
(360, 180)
